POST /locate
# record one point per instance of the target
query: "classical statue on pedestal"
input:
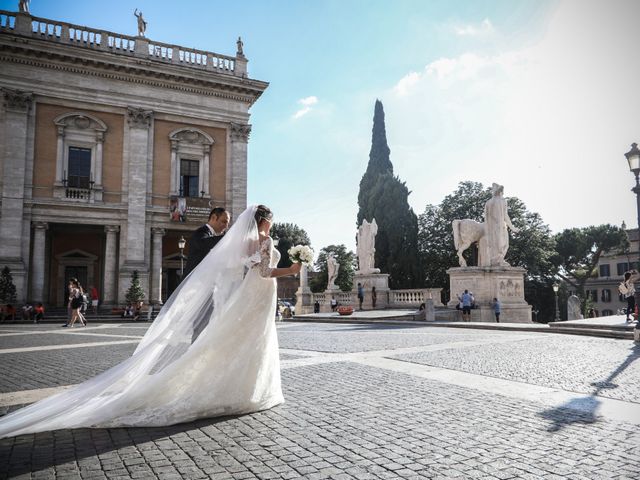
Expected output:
(366, 247)
(23, 6)
(333, 267)
(240, 45)
(492, 235)
(142, 24)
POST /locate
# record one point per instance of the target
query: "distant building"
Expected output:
(112, 147)
(603, 290)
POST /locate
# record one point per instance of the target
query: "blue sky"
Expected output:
(541, 96)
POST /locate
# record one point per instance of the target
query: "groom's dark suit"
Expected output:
(200, 244)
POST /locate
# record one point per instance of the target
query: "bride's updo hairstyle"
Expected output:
(263, 213)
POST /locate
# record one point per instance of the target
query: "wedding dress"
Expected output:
(211, 351)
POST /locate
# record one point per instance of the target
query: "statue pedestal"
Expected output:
(369, 280)
(304, 297)
(486, 283)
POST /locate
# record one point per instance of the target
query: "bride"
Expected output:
(211, 351)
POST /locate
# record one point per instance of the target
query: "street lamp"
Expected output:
(556, 287)
(633, 157)
(181, 244)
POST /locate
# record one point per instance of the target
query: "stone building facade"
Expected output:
(101, 135)
(603, 289)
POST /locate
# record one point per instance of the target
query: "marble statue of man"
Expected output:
(496, 221)
(366, 247)
(142, 24)
(240, 45)
(573, 308)
(23, 6)
(332, 271)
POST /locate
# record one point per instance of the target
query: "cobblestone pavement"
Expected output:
(362, 402)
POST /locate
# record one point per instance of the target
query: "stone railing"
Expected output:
(343, 298)
(413, 298)
(78, 193)
(105, 41)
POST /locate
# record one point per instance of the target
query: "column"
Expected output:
(110, 265)
(38, 261)
(156, 265)
(134, 240)
(237, 169)
(97, 168)
(60, 174)
(205, 169)
(14, 159)
(175, 170)
(139, 126)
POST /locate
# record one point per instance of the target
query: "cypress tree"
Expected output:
(384, 197)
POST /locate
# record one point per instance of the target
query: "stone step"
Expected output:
(625, 327)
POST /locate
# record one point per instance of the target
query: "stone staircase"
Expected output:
(104, 315)
(611, 327)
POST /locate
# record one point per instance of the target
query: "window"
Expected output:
(79, 167)
(606, 295)
(606, 313)
(189, 171)
(621, 268)
(605, 271)
(593, 294)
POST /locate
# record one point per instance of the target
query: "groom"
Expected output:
(206, 237)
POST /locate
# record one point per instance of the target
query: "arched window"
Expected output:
(79, 153)
(190, 162)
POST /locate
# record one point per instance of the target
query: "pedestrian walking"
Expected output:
(75, 302)
(374, 297)
(360, 295)
(628, 290)
(496, 309)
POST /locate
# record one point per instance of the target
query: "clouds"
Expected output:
(307, 104)
(546, 116)
(482, 29)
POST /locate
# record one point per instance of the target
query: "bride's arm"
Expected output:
(265, 260)
(283, 272)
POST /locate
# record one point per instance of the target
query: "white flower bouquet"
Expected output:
(301, 254)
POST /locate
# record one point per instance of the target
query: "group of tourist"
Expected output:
(29, 312)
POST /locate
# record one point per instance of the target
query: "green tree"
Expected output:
(384, 197)
(7, 287)
(288, 235)
(135, 293)
(579, 251)
(348, 263)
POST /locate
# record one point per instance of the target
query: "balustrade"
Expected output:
(79, 36)
(7, 21)
(78, 193)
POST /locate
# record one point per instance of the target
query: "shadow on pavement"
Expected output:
(61, 449)
(584, 409)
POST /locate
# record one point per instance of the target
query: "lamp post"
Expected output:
(556, 287)
(633, 157)
(181, 244)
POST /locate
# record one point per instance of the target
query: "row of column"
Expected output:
(109, 290)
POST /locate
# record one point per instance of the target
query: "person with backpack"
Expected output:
(628, 290)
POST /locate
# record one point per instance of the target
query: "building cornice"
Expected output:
(43, 54)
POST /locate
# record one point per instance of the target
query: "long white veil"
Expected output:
(188, 319)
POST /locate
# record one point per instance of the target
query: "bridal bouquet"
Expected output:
(301, 254)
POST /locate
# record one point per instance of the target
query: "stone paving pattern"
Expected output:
(362, 338)
(345, 420)
(577, 364)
